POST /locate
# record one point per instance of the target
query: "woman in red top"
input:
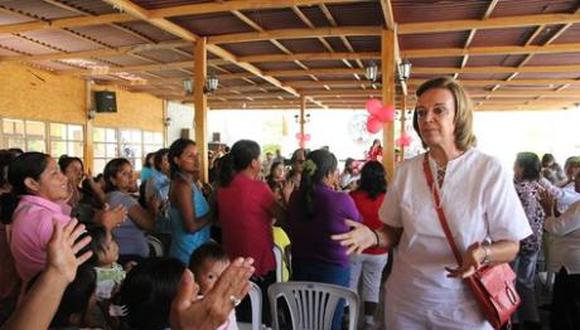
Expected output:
(376, 151)
(368, 199)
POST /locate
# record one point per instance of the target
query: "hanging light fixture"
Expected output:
(372, 71)
(211, 84)
(188, 86)
(404, 69)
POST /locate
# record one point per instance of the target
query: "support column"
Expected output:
(200, 101)
(302, 121)
(88, 154)
(388, 93)
(166, 124)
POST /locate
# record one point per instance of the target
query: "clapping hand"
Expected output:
(188, 312)
(547, 201)
(111, 218)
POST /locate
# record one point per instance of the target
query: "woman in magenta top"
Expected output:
(39, 194)
(369, 265)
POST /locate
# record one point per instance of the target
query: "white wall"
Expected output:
(181, 117)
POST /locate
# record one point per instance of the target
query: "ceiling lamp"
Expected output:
(372, 71)
(188, 86)
(404, 70)
(211, 84)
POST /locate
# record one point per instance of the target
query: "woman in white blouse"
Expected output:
(564, 260)
(425, 289)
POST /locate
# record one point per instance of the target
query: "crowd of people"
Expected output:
(161, 249)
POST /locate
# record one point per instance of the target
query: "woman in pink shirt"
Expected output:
(39, 194)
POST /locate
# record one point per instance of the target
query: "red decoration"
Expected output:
(403, 141)
(374, 125)
(374, 106)
(386, 114)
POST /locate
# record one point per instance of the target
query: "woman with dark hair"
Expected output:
(316, 211)
(131, 234)
(526, 179)
(246, 207)
(188, 209)
(37, 200)
(349, 176)
(552, 171)
(376, 151)
(296, 161)
(276, 179)
(370, 264)
(426, 289)
(147, 169)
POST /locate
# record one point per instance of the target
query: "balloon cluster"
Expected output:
(302, 139)
(404, 140)
(379, 114)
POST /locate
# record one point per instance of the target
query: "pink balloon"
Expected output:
(298, 136)
(403, 141)
(306, 137)
(374, 106)
(386, 114)
(374, 125)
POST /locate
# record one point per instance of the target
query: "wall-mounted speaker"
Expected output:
(105, 101)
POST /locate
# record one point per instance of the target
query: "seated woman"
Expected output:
(38, 199)
(188, 211)
(131, 234)
(315, 213)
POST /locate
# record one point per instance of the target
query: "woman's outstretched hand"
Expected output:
(358, 239)
(472, 262)
(63, 247)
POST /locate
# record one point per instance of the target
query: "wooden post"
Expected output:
(200, 101)
(389, 90)
(88, 154)
(166, 124)
(302, 121)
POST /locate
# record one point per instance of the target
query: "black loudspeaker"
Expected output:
(216, 137)
(105, 101)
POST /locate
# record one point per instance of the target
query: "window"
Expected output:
(131, 144)
(66, 139)
(105, 147)
(28, 135)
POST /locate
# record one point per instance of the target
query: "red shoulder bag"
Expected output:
(492, 286)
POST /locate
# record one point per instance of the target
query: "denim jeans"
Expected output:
(323, 273)
(525, 268)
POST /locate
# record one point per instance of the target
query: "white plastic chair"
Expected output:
(312, 305)
(279, 265)
(256, 302)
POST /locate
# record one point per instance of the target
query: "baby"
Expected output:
(207, 263)
(109, 273)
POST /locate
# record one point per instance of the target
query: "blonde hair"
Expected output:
(463, 134)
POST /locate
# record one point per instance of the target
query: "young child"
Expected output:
(207, 263)
(109, 274)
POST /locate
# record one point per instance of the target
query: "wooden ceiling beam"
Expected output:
(226, 6)
(296, 34)
(490, 23)
(66, 23)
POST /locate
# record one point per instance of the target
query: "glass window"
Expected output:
(27, 135)
(65, 139)
(13, 127)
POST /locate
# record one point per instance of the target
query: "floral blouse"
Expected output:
(528, 193)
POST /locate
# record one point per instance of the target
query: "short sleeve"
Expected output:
(390, 210)
(504, 213)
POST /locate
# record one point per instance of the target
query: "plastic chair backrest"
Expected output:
(279, 264)
(312, 305)
(155, 246)
(256, 302)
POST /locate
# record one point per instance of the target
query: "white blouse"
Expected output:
(480, 203)
(565, 240)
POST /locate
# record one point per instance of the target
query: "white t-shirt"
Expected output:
(480, 203)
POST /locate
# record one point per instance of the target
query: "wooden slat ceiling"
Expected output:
(510, 54)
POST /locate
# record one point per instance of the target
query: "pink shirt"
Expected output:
(32, 225)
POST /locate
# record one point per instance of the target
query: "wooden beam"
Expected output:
(490, 23)
(388, 92)
(309, 57)
(295, 34)
(96, 53)
(226, 6)
(200, 120)
(77, 21)
(493, 50)
(387, 9)
(132, 68)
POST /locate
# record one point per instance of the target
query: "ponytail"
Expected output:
(8, 204)
(242, 154)
(318, 165)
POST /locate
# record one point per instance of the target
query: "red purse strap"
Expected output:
(440, 213)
